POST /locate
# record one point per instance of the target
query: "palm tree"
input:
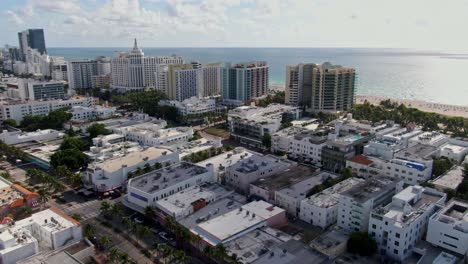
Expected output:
(114, 254)
(127, 222)
(90, 230)
(105, 207)
(149, 213)
(44, 195)
(116, 210)
(105, 242)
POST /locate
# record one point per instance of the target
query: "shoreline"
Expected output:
(443, 109)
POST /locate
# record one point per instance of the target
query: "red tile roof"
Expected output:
(361, 159)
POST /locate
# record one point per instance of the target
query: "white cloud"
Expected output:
(14, 17)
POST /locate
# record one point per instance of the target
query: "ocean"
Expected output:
(398, 73)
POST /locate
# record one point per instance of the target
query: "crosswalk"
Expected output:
(88, 216)
(80, 205)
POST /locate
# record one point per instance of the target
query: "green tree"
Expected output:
(73, 142)
(441, 166)
(105, 241)
(44, 195)
(105, 207)
(361, 243)
(10, 122)
(266, 141)
(97, 129)
(89, 230)
(73, 158)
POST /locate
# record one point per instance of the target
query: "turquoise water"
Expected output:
(397, 73)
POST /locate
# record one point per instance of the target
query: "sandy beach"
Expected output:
(444, 109)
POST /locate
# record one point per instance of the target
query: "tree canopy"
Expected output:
(10, 122)
(54, 120)
(266, 141)
(97, 129)
(361, 243)
(72, 158)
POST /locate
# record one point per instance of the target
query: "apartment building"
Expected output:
(249, 124)
(148, 189)
(16, 110)
(241, 174)
(245, 81)
(400, 225)
(338, 149)
(321, 209)
(299, 84)
(112, 173)
(448, 228)
(154, 134)
(356, 204)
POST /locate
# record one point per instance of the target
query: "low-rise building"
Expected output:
(77, 253)
(307, 146)
(293, 251)
(104, 140)
(400, 225)
(46, 230)
(455, 149)
(193, 147)
(148, 189)
(108, 151)
(154, 134)
(281, 140)
(332, 243)
(290, 197)
(321, 209)
(236, 223)
(14, 136)
(265, 188)
(356, 204)
(449, 180)
(113, 173)
(241, 174)
(433, 138)
(193, 106)
(340, 148)
(93, 112)
(249, 124)
(253, 245)
(17, 109)
(39, 152)
(192, 199)
(14, 197)
(222, 162)
(448, 228)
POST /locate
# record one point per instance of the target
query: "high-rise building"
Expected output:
(81, 72)
(35, 90)
(184, 81)
(299, 84)
(245, 81)
(59, 69)
(133, 71)
(32, 38)
(212, 79)
(332, 88)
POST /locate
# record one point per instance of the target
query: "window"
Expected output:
(397, 243)
(395, 251)
(374, 226)
(397, 235)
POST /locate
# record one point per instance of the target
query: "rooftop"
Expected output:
(224, 227)
(348, 140)
(417, 151)
(454, 148)
(371, 188)
(330, 196)
(130, 159)
(178, 202)
(227, 159)
(431, 138)
(255, 244)
(402, 134)
(160, 179)
(361, 159)
(255, 162)
(261, 114)
(416, 201)
(292, 252)
(451, 179)
(285, 178)
(197, 146)
(455, 213)
(299, 189)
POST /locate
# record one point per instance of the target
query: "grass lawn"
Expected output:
(217, 132)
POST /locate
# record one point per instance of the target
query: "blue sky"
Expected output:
(419, 24)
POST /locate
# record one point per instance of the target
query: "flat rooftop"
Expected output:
(255, 162)
(293, 252)
(214, 209)
(371, 188)
(196, 146)
(451, 179)
(454, 148)
(261, 114)
(285, 178)
(227, 159)
(330, 196)
(454, 213)
(431, 138)
(160, 179)
(417, 151)
(131, 159)
(182, 200)
(299, 189)
(256, 243)
(346, 140)
(232, 223)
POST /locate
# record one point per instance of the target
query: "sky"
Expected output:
(417, 24)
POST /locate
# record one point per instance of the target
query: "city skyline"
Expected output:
(241, 23)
